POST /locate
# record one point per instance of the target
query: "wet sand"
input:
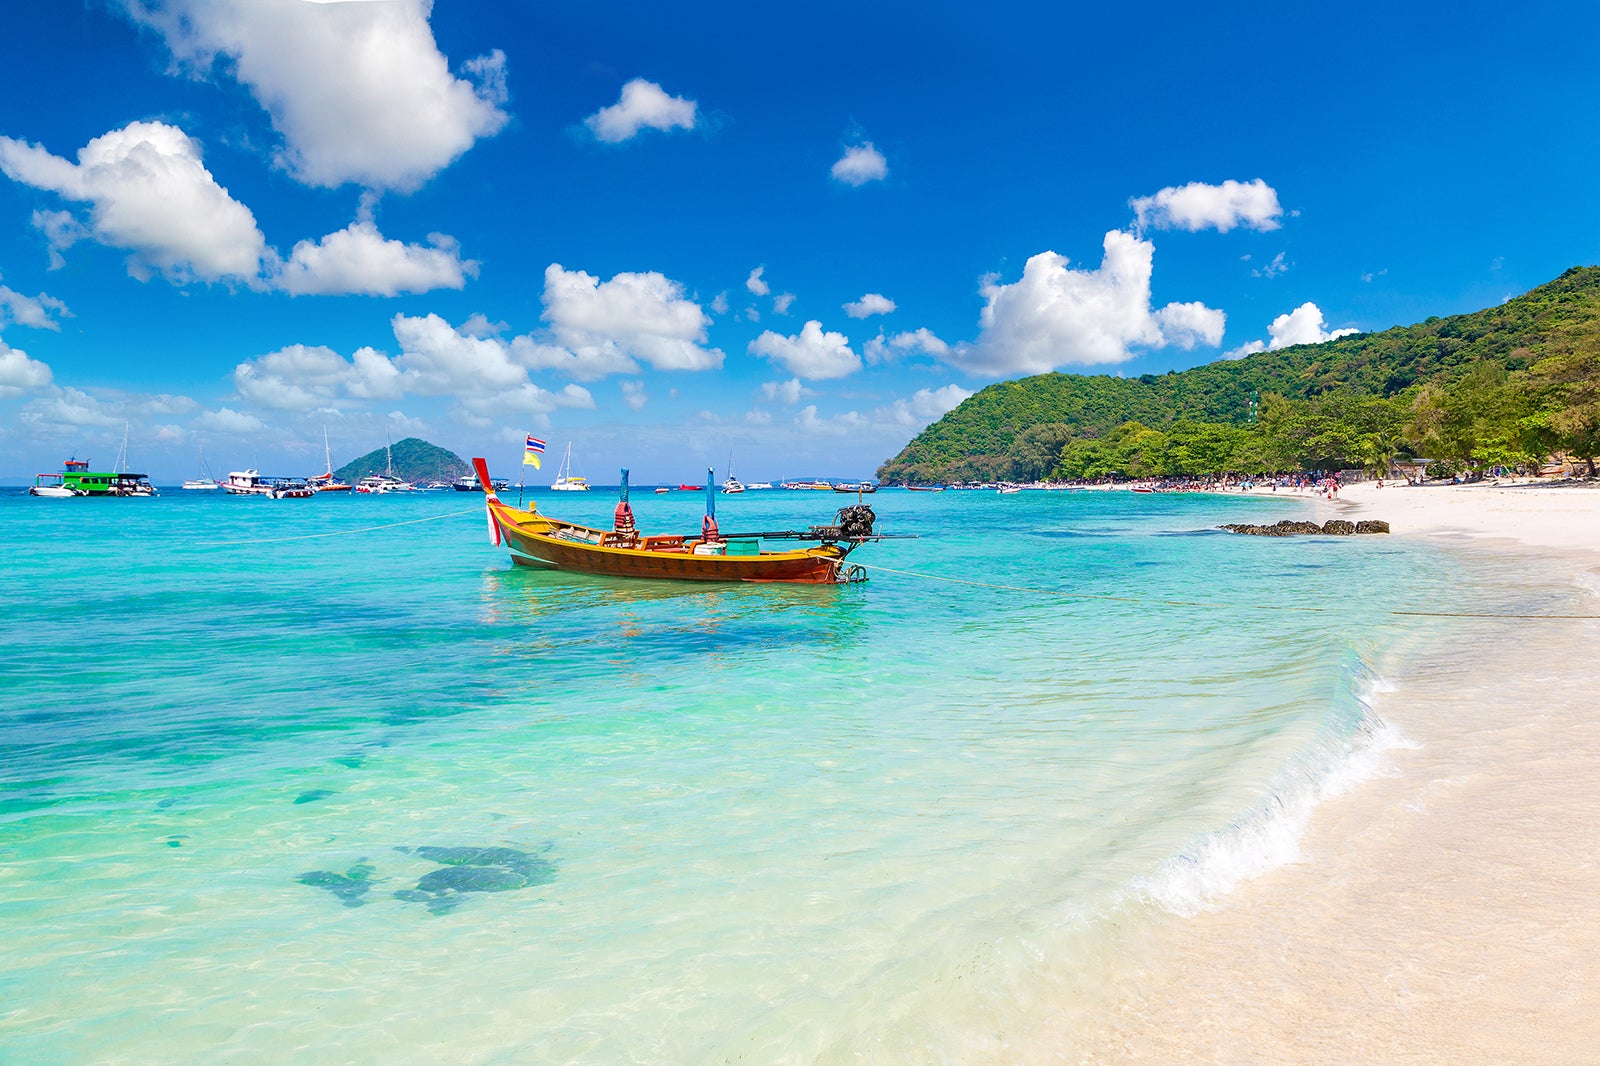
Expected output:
(1448, 911)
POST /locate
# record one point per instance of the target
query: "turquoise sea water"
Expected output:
(267, 795)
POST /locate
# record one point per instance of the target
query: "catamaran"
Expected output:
(205, 482)
(386, 481)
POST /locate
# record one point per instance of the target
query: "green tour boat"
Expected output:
(77, 476)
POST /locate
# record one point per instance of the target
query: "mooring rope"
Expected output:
(340, 532)
(1287, 607)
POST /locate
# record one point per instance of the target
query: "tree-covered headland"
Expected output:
(1506, 386)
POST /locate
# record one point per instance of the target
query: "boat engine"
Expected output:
(855, 522)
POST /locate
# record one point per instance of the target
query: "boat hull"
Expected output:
(538, 542)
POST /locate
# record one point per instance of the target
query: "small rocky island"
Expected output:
(413, 459)
(1333, 527)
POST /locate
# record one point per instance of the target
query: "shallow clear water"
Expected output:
(248, 771)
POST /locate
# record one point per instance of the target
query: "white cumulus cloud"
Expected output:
(1057, 316)
(642, 105)
(860, 164)
(633, 394)
(871, 304)
(923, 406)
(601, 328)
(811, 353)
(149, 194)
(359, 91)
(19, 373)
(62, 230)
(786, 392)
(1303, 325)
(1198, 206)
(834, 426)
(227, 421)
(922, 339)
(37, 312)
(755, 284)
(303, 377)
(1188, 324)
(358, 259)
(438, 360)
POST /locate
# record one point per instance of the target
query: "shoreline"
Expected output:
(1443, 911)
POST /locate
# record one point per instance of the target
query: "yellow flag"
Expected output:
(530, 457)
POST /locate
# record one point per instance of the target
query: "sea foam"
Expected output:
(1268, 835)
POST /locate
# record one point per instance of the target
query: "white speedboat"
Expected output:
(52, 486)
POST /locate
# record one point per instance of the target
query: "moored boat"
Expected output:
(326, 481)
(566, 481)
(379, 483)
(205, 482)
(247, 483)
(126, 484)
(52, 486)
(537, 540)
(289, 488)
(855, 486)
(79, 480)
(732, 484)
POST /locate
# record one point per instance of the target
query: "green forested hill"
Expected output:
(414, 460)
(1017, 428)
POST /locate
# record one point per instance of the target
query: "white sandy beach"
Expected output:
(1447, 911)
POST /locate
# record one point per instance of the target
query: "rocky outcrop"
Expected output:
(1334, 527)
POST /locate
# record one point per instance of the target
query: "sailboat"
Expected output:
(205, 482)
(565, 481)
(325, 482)
(125, 483)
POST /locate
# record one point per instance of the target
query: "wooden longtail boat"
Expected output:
(538, 540)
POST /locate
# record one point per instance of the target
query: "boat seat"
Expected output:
(662, 543)
(618, 540)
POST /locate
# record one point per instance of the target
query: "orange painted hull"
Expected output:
(541, 542)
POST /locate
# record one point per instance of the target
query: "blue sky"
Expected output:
(795, 236)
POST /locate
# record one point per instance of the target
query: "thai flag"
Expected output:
(532, 452)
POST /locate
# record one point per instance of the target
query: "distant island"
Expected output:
(1506, 386)
(413, 459)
